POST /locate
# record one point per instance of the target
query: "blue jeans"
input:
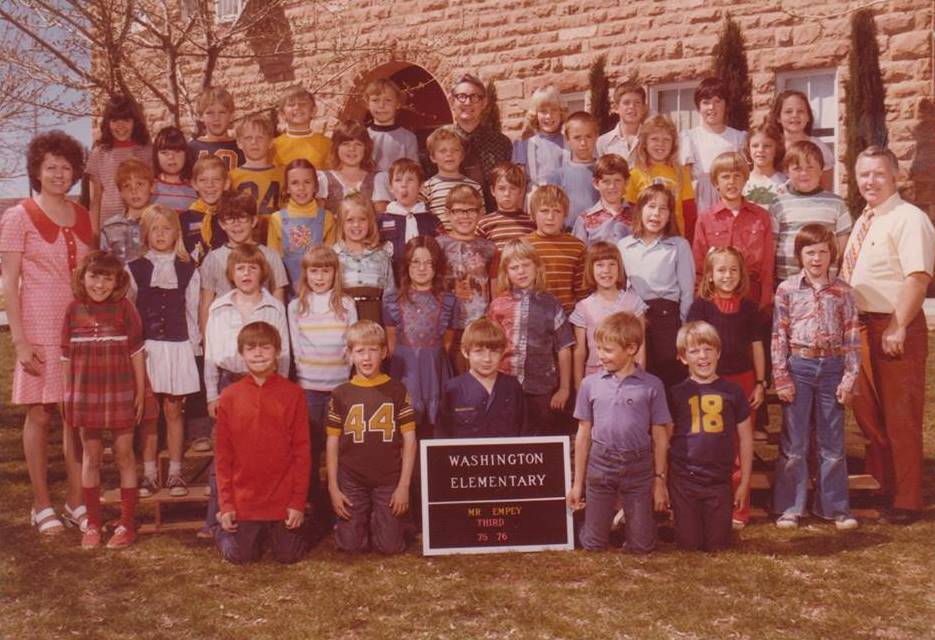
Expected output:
(816, 383)
(629, 475)
(317, 402)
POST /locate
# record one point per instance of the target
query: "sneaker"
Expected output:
(176, 486)
(123, 537)
(845, 523)
(148, 487)
(787, 521)
(737, 525)
(202, 445)
(91, 538)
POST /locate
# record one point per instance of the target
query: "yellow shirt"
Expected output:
(640, 179)
(310, 210)
(265, 185)
(900, 241)
(314, 147)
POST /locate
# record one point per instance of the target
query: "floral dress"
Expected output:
(419, 359)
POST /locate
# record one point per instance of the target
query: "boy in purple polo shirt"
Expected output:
(710, 414)
(620, 449)
(483, 402)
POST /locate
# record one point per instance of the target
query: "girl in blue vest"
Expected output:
(167, 287)
(302, 223)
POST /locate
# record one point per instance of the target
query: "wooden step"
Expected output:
(166, 527)
(763, 480)
(196, 493)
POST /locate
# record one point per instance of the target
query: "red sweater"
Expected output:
(262, 450)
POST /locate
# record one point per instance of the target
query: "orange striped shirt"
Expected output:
(563, 256)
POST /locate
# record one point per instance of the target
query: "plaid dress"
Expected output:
(98, 340)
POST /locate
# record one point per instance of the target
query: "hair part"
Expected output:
(815, 233)
(622, 328)
(519, 249)
(133, 168)
(258, 334)
(727, 162)
(382, 85)
(431, 245)
(351, 131)
(706, 288)
(876, 151)
(54, 143)
(440, 135)
(776, 110)
(173, 139)
(159, 211)
(770, 130)
(611, 164)
(123, 108)
(647, 195)
(696, 333)
(470, 79)
(483, 333)
(214, 95)
(236, 204)
(581, 117)
(509, 171)
(402, 166)
(209, 163)
(711, 88)
(465, 194)
(298, 163)
(358, 200)
(602, 250)
(322, 256)
(799, 153)
(101, 262)
(247, 254)
(365, 332)
(548, 195)
(547, 96)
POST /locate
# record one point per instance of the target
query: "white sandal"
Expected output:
(77, 517)
(46, 521)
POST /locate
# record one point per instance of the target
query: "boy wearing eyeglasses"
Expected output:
(469, 261)
(485, 147)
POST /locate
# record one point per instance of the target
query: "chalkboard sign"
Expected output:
(487, 495)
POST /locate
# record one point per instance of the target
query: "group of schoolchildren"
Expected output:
(625, 281)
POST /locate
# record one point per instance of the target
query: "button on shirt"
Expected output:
(900, 241)
(467, 410)
(621, 411)
(823, 318)
(661, 269)
(615, 142)
(372, 267)
(751, 233)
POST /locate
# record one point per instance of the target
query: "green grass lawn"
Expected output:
(876, 582)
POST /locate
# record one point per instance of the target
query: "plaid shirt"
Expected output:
(822, 318)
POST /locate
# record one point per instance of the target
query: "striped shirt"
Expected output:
(793, 210)
(563, 257)
(502, 226)
(319, 341)
(435, 192)
(224, 323)
(179, 196)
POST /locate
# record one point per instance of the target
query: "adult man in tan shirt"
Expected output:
(889, 260)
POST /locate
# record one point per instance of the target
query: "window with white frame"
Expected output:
(677, 101)
(576, 101)
(821, 87)
(228, 10)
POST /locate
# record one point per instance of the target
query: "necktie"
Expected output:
(856, 242)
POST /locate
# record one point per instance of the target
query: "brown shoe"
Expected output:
(123, 537)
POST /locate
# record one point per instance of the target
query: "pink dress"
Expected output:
(592, 310)
(50, 254)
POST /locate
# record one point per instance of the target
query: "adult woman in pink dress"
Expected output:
(42, 240)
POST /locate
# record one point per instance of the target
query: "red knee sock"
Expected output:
(92, 502)
(128, 499)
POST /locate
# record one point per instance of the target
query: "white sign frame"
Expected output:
(427, 549)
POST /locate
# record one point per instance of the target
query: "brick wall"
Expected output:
(523, 44)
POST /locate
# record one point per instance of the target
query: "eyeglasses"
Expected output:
(464, 212)
(464, 98)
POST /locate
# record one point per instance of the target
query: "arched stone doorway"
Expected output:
(426, 108)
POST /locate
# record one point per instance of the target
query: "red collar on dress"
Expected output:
(49, 230)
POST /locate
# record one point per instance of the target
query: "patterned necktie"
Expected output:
(857, 241)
